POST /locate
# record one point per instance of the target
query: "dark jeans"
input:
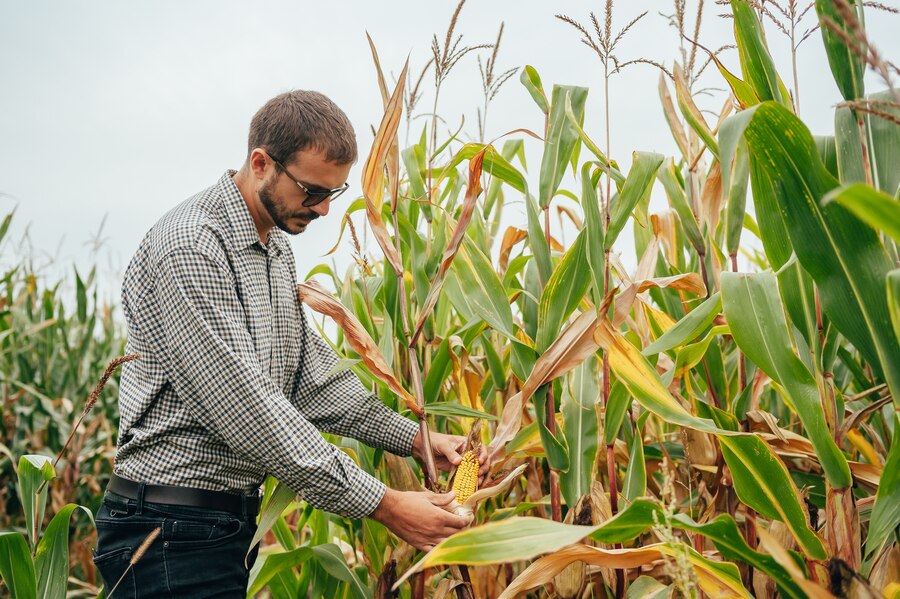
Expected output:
(199, 553)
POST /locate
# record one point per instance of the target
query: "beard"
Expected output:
(281, 214)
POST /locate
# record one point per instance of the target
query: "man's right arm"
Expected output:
(212, 361)
(213, 364)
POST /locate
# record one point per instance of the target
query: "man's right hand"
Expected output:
(419, 517)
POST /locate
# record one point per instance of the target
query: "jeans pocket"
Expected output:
(112, 565)
(187, 533)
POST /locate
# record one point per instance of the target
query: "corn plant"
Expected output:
(745, 425)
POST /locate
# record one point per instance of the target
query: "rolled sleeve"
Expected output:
(218, 376)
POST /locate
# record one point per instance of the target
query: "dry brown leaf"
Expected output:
(569, 350)
(544, 569)
(317, 298)
(672, 115)
(886, 568)
(468, 208)
(573, 216)
(393, 159)
(373, 170)
(711, 197)
(842, 526)
(769, 545)
(511, 237)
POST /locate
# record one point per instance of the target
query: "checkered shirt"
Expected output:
(232, 382)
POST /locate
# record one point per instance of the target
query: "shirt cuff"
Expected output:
(406, 433)
(363, 496)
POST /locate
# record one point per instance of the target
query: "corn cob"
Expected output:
(465, 482)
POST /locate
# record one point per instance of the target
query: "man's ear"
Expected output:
(258, 161)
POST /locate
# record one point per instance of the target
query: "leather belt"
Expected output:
(187, 496)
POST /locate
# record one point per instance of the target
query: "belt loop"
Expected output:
(244, 513)
(140, 499)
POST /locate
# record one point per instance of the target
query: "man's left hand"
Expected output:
(446, 449)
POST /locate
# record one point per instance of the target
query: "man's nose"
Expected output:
(322, 207)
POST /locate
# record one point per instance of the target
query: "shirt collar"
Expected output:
(244, 232)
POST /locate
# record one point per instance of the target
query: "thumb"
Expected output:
(452, 453)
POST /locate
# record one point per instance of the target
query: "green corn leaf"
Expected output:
(724, 533)
(17, 566)
(871, 206)
(554, 444)
(735, 178)
(882, 139)
(636, 189)
(617, 405)
(330, 557)
(271, 511)
(494, 164)
(687, 329)
(678, 200)
(532, 82)
(843, 255)
(846, 66)
(51, 558)
(567, 286)
(483, 290)
(452, 408)
(580, 430)
(636, 474)
(33, 471)
(756, 316)
(603, 159)
(538, 243)
(757, 65)
(763, 483)
(886, 513)
(273, 565)
(561, 139)
(593, 226)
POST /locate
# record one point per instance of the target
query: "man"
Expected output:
(232, 383)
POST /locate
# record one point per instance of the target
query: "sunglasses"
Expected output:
(314, 195)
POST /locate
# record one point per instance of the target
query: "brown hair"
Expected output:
(300, 120)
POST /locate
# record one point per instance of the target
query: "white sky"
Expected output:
(120, 110)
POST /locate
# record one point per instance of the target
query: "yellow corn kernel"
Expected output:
(466, 480)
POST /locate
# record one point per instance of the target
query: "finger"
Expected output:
(455, 522)
(440, 500)
(452, 454)
(483, 457)
(427, 548)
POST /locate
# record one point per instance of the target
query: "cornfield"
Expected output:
(681, 428)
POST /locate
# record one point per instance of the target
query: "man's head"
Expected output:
(300, 143)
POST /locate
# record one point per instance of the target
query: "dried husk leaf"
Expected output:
(511, 237)
(569, 350)
(672, 115)
(317, 298)
(468, 208)
(373, 171)
(542, 571)
(886, 569)
(847, 582)
(467, 508)
(842, 526)
(771, 546)
(711, 197)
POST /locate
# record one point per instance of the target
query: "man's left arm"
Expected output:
(338, 403)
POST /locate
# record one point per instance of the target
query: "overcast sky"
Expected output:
(118, 111)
